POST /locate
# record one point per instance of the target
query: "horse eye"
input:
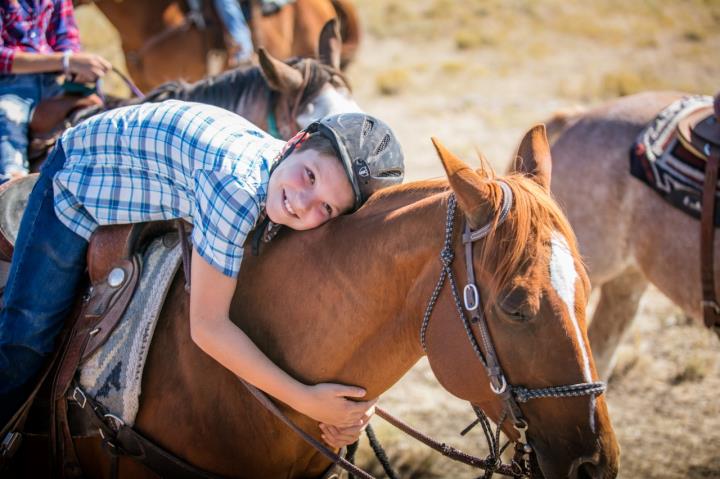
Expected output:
(515, 305)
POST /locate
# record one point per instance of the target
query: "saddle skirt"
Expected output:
(668, 155)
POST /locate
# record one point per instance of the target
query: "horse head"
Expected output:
(308, 89)
(512, 343)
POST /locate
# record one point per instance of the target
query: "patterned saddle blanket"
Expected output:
(112, 375)
(659, 159)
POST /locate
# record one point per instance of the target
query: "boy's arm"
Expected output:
(212, 330)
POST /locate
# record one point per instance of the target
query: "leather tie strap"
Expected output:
(709, 304)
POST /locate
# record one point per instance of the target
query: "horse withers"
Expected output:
(629, 236)
(345, 303)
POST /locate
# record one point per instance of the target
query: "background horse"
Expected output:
(161, 44)
(344, 302)
(628, 235)
(280, 98)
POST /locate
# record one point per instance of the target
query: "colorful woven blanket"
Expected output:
(659, 160)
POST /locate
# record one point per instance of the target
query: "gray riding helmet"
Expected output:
(367, 148)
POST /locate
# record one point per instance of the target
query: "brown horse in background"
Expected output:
(161, 44)
(629, 236)
(344, 303)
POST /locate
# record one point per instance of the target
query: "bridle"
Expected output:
(471, 304)
(287, 113)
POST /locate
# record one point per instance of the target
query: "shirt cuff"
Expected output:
(7, 57)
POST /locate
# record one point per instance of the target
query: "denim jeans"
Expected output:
(232, 16)
(48, 266)
(19, 94)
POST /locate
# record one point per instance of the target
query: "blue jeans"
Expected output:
(48, 266)
(19, 94)
(234, 20)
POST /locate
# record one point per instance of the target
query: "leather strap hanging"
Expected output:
(710, 307)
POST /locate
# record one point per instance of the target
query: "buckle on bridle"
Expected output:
(470, 292)
(499, 389)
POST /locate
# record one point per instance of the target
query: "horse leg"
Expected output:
(619, 300)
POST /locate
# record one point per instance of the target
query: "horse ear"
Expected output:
(330, 44)
(533, 156)
(279, 75)
(470, 188)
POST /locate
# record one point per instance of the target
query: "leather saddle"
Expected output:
(114, 268)
(699, 132)
(113, 258)
(50, 119)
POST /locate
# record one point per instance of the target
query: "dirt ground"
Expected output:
(477, 74)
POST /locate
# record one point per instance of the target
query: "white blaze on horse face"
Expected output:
(563, 277)
(330, 101)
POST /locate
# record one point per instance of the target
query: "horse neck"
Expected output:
(136, 20)
(243, 91)
(361, 282)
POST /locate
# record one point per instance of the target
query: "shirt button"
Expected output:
(33, 34)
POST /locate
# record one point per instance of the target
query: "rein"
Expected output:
(510, 394)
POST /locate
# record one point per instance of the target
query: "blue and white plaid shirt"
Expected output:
(168, 160)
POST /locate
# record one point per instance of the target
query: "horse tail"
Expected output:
(561, 120)
(349, 30)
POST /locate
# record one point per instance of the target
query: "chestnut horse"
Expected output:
(629, 236)
(160, 45)
(345, 302)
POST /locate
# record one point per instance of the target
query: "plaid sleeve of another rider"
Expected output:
(225, 212)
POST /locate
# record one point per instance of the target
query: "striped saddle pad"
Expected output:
(660, 159)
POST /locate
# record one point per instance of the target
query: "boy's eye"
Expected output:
(311, 175)
(329, 209)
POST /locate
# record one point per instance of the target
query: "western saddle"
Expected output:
(699, 134)
(114, 260)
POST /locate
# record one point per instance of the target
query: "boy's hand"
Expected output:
(327, 403)
(338, 438)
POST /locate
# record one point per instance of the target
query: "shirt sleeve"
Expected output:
(7, 54)
(62, 32)
(225, 211)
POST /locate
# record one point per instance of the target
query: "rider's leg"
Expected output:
(18, 96)
(234, 20)
(47, 268)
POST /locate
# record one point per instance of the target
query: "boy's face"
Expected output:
(307, 189)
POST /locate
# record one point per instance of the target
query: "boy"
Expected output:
(187, 160)
(38, 41)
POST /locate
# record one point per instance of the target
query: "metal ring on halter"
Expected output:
(503, 385)
(521, 427)
(471, 288)
(117, 423)
(706, 150)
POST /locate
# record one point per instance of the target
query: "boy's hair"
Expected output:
(320, 144)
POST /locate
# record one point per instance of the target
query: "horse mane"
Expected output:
(533, 220)
(223, 90)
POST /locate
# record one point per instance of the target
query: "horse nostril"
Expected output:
(585, 468)
(588, 470)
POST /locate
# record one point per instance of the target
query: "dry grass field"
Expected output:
(477, 73)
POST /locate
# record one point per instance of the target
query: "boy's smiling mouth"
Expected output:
(286, 204)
